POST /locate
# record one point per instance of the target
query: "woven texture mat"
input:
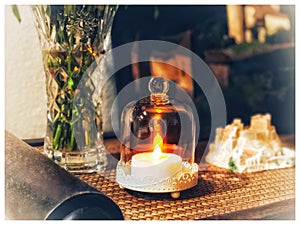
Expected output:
(218, 192)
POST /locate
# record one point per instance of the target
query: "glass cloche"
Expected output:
(157, 143)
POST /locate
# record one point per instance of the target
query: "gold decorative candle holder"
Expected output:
(158, 144)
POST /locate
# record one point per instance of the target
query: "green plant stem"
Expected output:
(72, 138)
(56, 140)
(77, 34)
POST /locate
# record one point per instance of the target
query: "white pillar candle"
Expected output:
(162, 165)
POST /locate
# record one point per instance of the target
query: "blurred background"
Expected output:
(249, 48)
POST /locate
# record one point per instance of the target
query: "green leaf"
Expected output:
(70, 82)
(15, 11)
(231, 164)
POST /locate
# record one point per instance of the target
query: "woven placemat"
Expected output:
(218, 192)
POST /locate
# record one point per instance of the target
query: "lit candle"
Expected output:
(156, 163)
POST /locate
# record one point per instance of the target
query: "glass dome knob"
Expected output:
(158, 86)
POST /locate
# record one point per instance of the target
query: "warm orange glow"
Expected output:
(90, 49)
(158, 110)
(75, 69)
(157, 144)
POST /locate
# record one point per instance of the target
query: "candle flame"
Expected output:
(157, 143)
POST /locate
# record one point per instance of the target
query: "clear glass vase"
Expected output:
(74, 39)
